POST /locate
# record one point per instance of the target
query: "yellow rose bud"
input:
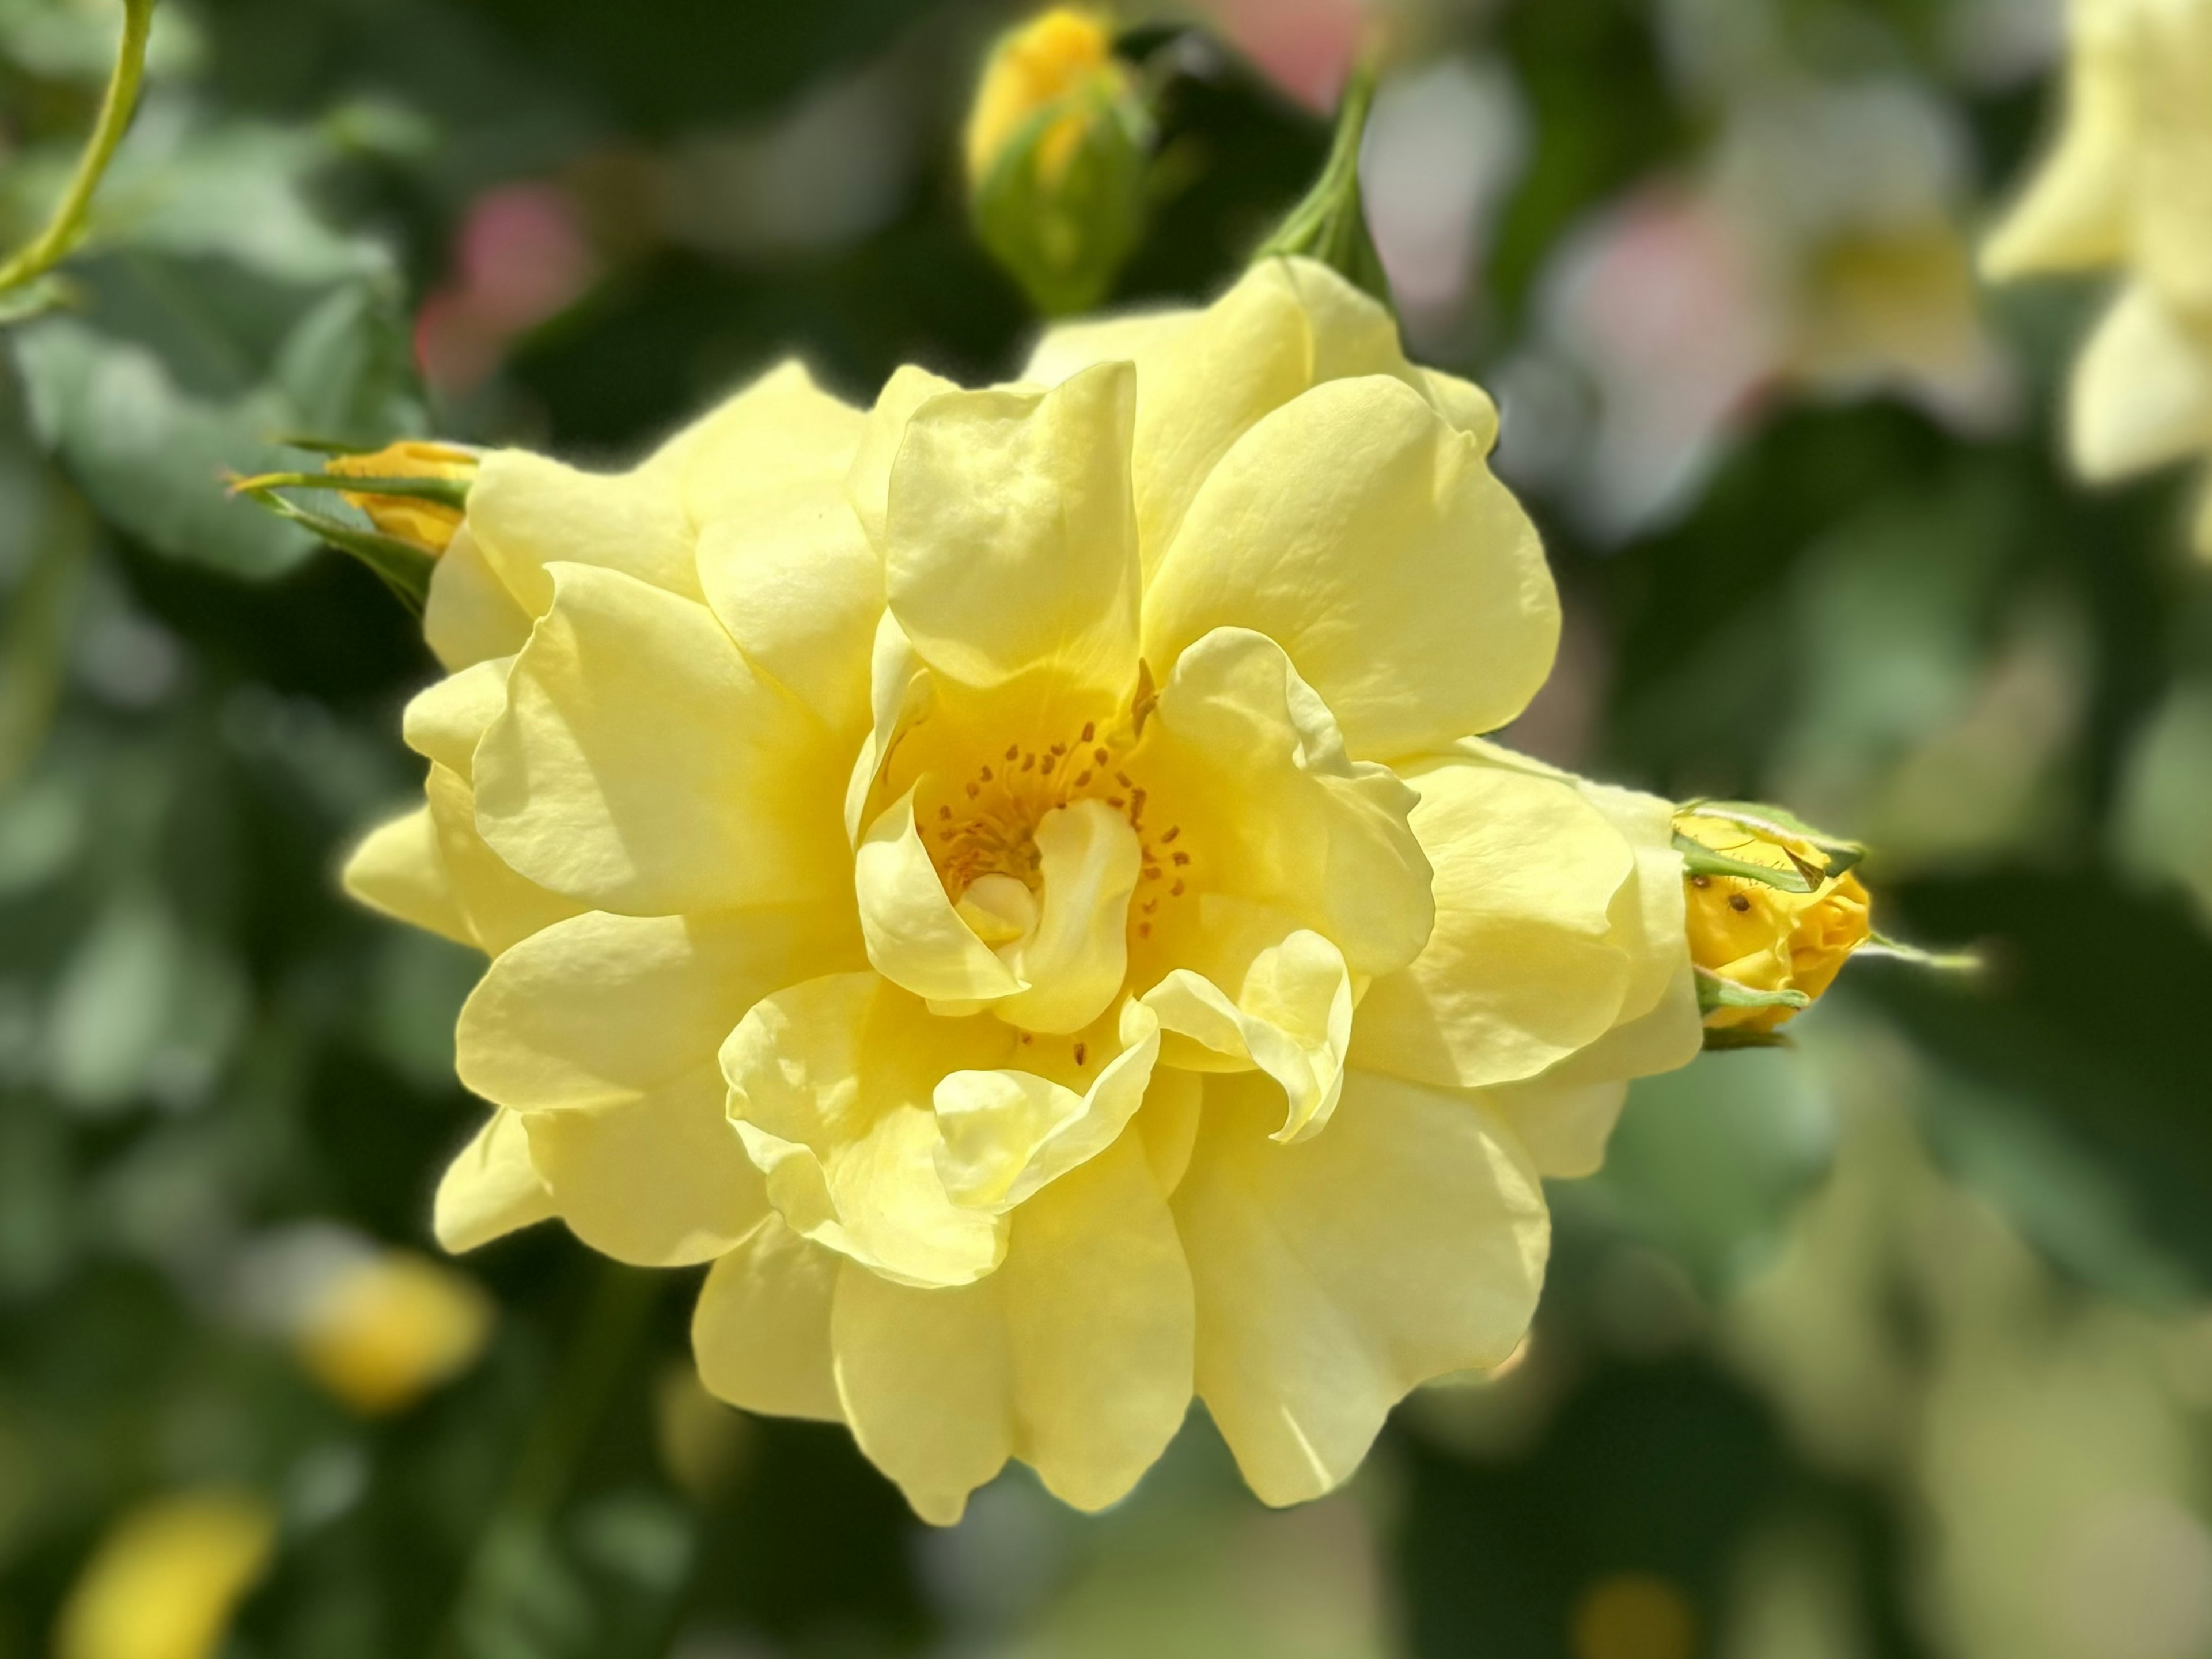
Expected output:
(1056, 146)
(424, 524)
(1752, 935)
(166, 1579)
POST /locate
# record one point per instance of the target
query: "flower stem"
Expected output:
(1330, 224)
(65, 228)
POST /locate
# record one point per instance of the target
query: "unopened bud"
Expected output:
(428, 525)
(1057, 147)
(1775, 911)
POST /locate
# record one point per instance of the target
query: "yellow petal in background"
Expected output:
(2142, 389)
(1367, 537)
(385, 1329)
(2073, 214)
(166, 1578)
(1334, 1275)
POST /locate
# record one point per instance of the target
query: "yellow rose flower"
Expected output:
(1762, 938)
(2128, 185)
(165, 1581)
(1005, 876)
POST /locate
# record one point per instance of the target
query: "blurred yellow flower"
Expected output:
(2128, 185)
(1056, 145)
(1764, 938)
(1034, 68)
(167, 1578)
(427, 525)
(1007, 877)
(381, 1331)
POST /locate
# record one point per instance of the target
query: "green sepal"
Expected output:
(1775, 822)
(1723, 1037)
(401, 565)
(1329, 225)
(1716, 992)
(446, 492)
(1066, 239)
(1941, 962)
(1700, 860)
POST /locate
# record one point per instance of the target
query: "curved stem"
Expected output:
(66, 225)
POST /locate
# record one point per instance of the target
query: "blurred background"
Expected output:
(1894, 1343)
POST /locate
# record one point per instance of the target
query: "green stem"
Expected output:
(600, 1352)
(1330, 224)
(37, 637)
(66, 227)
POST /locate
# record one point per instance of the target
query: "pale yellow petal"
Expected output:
(1007, 1133)
(761, 1331)
(1300, 826)
(915, 937)
(2142, 389)
(1011, 541)
(502, 907)
(527, 513)
(778, 434)
(445, 720)
(1167, 1124)
(1368, 538)
(868, 479)
(1100, 1325)
(599, 1009)
(640, 765)
(490, 1189)
(2074, 213)
(659, 1181)
(399, 869)
(2173, 66)
(1205, 377)
(1072, 963)
(470, 615)
(1334, 1275)
(1565, 1126)
(1524, 968)
(1290, 1017)
(1075, 1356)
(830, 1086)
(926, 1382)
(796, 585)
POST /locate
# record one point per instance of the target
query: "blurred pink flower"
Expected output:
(1305, 46)
(521, 258)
